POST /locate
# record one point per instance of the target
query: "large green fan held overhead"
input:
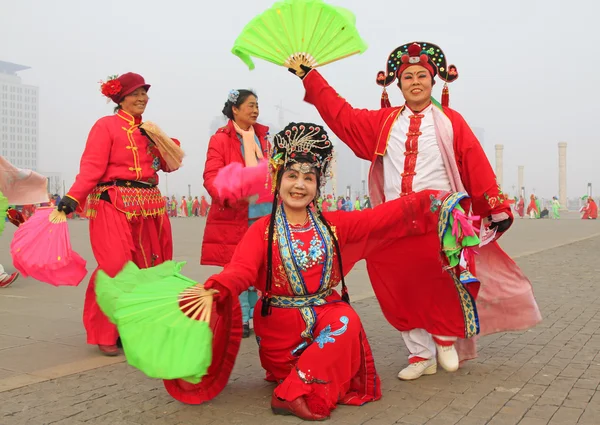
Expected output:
(300, 32)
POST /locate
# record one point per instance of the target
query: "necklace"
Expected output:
(305, 259)
(298, 226)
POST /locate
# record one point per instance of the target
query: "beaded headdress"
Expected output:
(417, 53)
(304, 143)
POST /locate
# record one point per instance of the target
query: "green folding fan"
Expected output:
(295, 32)
(163, 319)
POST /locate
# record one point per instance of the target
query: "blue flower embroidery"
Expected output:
(326, 335)
(300, 255)
(156, 164)
(315, 252)
(307, 259)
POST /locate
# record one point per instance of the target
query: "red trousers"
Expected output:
(115, 241)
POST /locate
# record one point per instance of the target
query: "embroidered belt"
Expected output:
(304, 304)
(128, 183)
(134, 201)
(299, 301)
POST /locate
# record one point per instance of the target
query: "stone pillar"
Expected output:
(520, 180)
(499, 165)
(562, 174)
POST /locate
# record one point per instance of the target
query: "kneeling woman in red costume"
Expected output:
(118, 176)
(311, 341)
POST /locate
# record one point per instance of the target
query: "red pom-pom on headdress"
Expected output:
(414, 50)
(413, 56)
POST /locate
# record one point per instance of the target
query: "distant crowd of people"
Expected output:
(329, 203)
(589, 210)
(187, 207)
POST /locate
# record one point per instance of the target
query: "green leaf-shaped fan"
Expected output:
(162, 318)
(295, 32)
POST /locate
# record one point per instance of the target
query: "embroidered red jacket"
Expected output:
(117, 150)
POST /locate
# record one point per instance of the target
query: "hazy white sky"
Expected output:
(527, 69)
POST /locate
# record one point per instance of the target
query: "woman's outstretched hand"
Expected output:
(301, 74)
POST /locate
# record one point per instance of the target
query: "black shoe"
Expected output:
(246, 330)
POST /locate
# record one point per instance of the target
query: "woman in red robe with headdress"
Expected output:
(311, 341)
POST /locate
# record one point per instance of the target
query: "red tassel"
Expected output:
(445, 96)
(385, 101)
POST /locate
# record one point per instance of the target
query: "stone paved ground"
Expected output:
(550, 374)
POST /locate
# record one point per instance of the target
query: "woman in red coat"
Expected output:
(118, 176)
(311, 341)
(242, 140)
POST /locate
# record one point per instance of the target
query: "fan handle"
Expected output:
(297, 59)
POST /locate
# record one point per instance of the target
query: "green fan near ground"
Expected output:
(300, 32)
(162, 318)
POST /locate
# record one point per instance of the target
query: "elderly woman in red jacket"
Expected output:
(118, 176)
(245, 141)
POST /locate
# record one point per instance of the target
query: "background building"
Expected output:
(19, 120)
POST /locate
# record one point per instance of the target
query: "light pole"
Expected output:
(189, 190)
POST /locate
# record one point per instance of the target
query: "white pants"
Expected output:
(420, 343)
(3, 274)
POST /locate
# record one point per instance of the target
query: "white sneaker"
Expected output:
(447, 357)
(416, 370)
